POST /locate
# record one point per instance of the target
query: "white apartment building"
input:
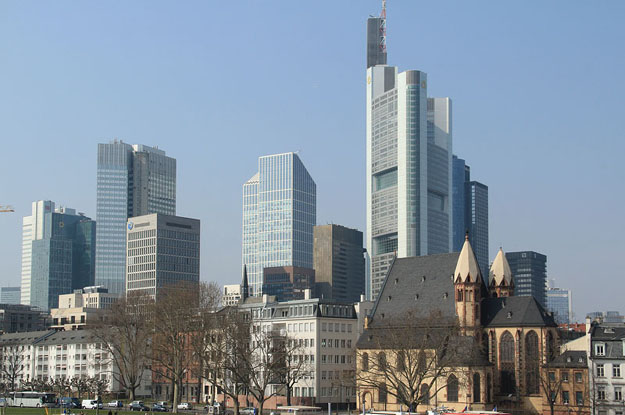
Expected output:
(607, 368)
(48, 355)
(231, 295)
(81, 307)
(327, 332)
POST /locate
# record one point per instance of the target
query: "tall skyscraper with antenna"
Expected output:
(408, 164)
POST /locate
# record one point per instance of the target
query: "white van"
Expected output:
(92, 404)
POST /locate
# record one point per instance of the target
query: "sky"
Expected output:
(537, 90)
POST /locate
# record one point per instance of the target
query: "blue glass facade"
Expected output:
(63, 259)
(461, 174)
(133, 180)
(476, 221)
(559, 302)
(279, 212)
(529, 270)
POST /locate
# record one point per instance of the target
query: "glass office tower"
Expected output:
(476, 221)
(530, 274)
(409, 150)
(279, 212)
(133, 180)
(559, 302)
(61, 256)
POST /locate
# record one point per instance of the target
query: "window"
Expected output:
(578, 377)
(425, 394)
(365, 361)
(477, 393)
(532, 362)
(600, 371)
(616, 370)
(618, 394)
(452, 389)
(382, 360)
(565, 397)
(552, 376)
(600, 349)
(565, 376)
(601, 393)
(579, 398)
(382, 393)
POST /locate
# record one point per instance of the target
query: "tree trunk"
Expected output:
(174, 406)
(288, 395)
(236, 406)
(261, 402)
(131, 393)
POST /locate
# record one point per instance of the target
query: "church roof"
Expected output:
(417, 285)
(500, 270)
(515, 312)
(467, 267)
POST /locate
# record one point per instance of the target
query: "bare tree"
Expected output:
(98, 386)
(551, 386)
(413, 358)
(62, 385)
(80, 385)
(174, 318)
(12, 366)
(125, 334)
(292, 363)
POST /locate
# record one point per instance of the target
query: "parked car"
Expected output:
(159, 408)
(72, 403)
(92, 404)
(246, 411)
(138, 406)
(184, 405)
(115, 404)
(163, 403)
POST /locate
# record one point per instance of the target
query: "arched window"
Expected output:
(421, 364)
(452, 389)
(459, 295)
(382, 361)
(401, 360)
(365, 362)
(477, 388)
(489, 386)
(532, 362)
(506, 363)
(551, 347)
(424, 397)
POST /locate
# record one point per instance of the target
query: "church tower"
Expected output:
(500, 281)
(468, 284)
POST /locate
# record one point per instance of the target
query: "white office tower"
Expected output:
(32, 229)
(409, 150)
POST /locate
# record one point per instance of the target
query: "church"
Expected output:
(442, 334)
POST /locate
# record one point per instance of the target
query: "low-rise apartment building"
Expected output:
(607, 368)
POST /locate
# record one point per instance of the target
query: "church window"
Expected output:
(477, 393)
(365, 362)
(532, 362)
(382, 360)
(459, 296)
(506, 358)
(425, 394)
(452, 389)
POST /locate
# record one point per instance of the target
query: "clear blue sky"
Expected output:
(538, 112)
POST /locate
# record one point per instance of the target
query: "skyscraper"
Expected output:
(339, 263)
(10, 295)
(162, 250)
(279, 212)
(476, 220)
(133, 180)
(470, 212)
(559, 302)
(58, 254)
(409, 150)
(530, 274)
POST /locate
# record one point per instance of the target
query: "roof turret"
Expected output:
(467, 268)
(500, 273)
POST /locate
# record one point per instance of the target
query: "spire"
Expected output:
(467, 268)
(244, 286)
(500, 270)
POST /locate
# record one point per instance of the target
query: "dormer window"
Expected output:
(600, 349)
(389, 298)
(423, 278)
(396, 281)
(509, 315)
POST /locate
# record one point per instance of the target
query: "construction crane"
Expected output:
(6, 208)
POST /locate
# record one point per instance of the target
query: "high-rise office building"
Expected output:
(288, 283)
(10, 295)
(279, 212)
(470, 212)
(559, 302)
(58, 254)
(163, 250)
(530, 274)
(476, 220)
(409, 150)
(339, 263)
(133, 180)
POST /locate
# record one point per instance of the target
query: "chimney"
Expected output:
(265, 298)
(362, 298)
(307, 294)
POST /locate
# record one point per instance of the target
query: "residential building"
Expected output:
(81, 308)
(231, 295)
(339, 263)
(58, 254)
(491, 342)
(327, 331)
(559, 302)
(10, 295)
(408, 164)
(607, 368)
(530, 274)
(132, 180)
(279, 212)
(288, 283)
(163, 250)
(54, 354)
(567, 375)
(19, 318)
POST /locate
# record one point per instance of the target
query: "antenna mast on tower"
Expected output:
(383, 28)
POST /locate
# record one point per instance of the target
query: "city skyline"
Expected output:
(495, 109)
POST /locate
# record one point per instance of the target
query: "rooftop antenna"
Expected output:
(383, 28)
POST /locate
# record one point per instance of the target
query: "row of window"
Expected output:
(602, 393)
(337, 343)
(336, 359)
(616, 370)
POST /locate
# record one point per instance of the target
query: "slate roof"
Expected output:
(571, 359)
(608, 332)
(419, 285)
(515, 312)
(26, 337)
